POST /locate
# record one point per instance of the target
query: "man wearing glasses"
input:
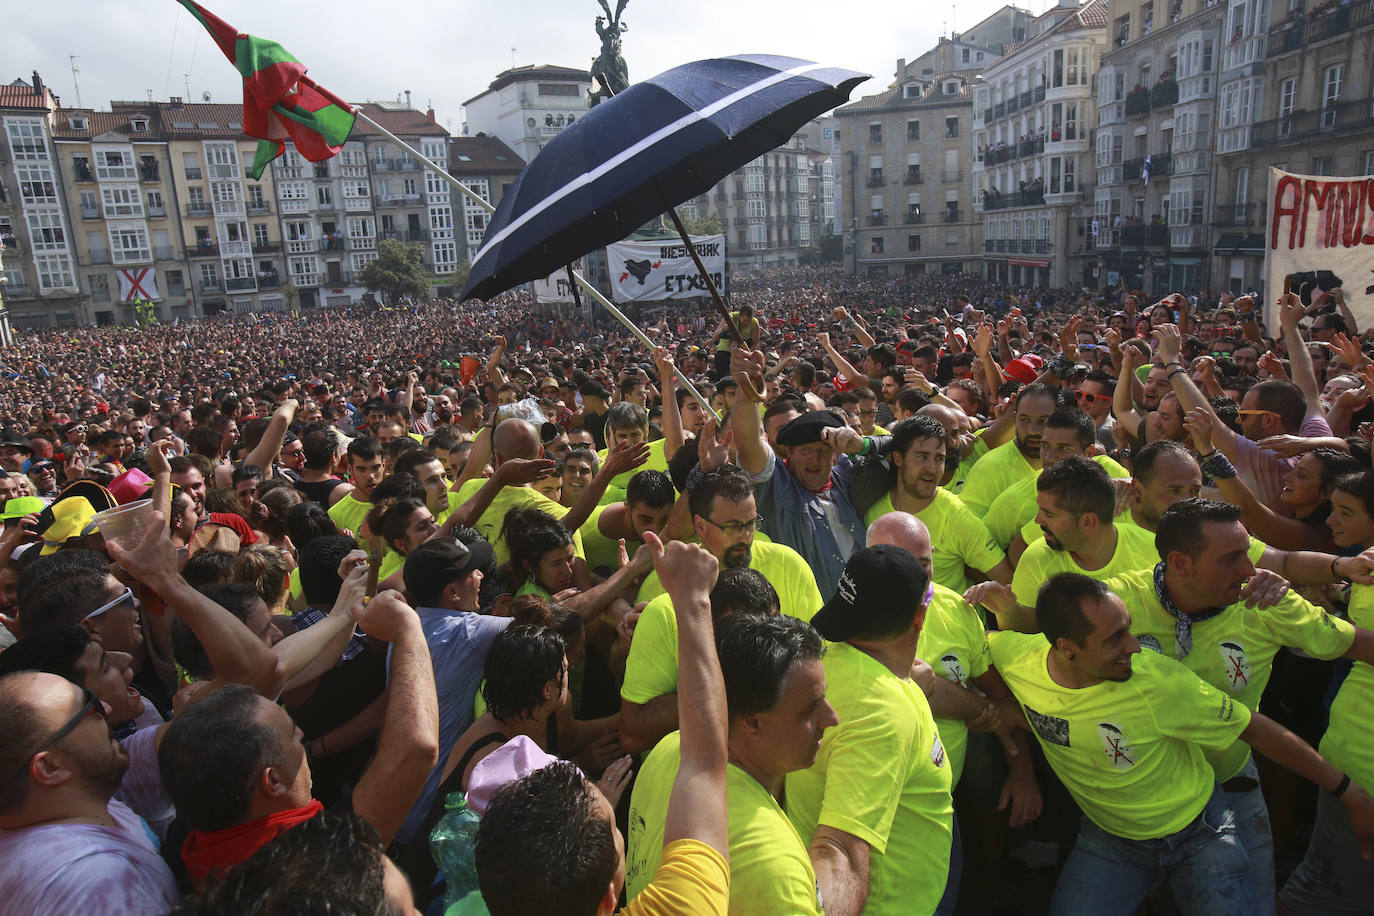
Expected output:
(725, 518)
(1094, 396)
(65, 844)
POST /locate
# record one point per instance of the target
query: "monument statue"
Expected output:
(609, 63)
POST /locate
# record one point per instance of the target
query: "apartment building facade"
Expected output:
(1034, 115)
(487, 167)
(526, 107)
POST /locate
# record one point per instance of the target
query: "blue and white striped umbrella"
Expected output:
(658, 143)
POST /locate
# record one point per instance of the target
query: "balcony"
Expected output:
(953, 175)
(1137, 102)
(148, 171)
(1043, 246)
(228, 208)
(914, 217)
(1233, 216)
(156, 211)
(163, 252)
(876, 181)
(337, 243)
(194, 174)
(236, 248)
(1141, 236)
(417, 235)
(1331, 21)
(988, 244)
(1013, 104)
(1343, 118)
(263, 247)
(1038, 93)
(393, 235)
(269, 280)
(90, 213)
(198, 208)
(100, 257)
(321, 170)
(210, 286)
(259, 207)
(1164, 94)
(82, 172)
(951, 216)
(877, 219)
(240, 284)
(203, 249)
(381, 165)
(913, 175)
(1029, 198)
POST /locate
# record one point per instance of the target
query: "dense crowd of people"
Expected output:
(888, 595)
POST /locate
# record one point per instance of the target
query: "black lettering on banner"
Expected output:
(1049, 728)
(681, 283)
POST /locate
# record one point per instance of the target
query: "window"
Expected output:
(76, 123)
(27, 140)
(951, 127)
(209, 276)
(176, 282)
(90, 205)
(757, 209)
(255, 201)
(1071, 121)
(36, 184)
(1369, 162)
(115, 165)
(81, 168)
(1331, 92)
(140, 125)
(564, 90)
(965, 55)
(1058, 69)
(299, 230)
(411, 186)
(155, 205)
(913, 130)
(1072, 57)
(1288, 92)
(325, 195)
(122, 201)
(875, 245)
(54, 272)
(875, 133)
(260, 236)
(45, 230)
(440, 218)
(360, 260)
(1321, 165)
(913, 243)
(292, 190)
(100, 287)
(190, 164)
(758, 236)
(129, 243)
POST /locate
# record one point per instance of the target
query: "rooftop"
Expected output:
(481, 156)
(533, 73)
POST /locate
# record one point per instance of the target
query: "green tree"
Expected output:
(710, 224)
(397, 271)
(831, 248)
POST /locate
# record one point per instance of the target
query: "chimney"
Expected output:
(430, 114)
(407, 98)
(174, 101)
(37, 85)
(901, 65)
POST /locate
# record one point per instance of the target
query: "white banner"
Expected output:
(1320, 234)
(647, 271)
(138, 283)
(556, 287)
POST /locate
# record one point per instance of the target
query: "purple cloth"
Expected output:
(1263, 470)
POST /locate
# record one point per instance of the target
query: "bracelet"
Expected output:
(1218, 467)
(1171, 375)
(1335, 575)
(1340, 789)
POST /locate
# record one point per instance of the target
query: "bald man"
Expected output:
(954, 643)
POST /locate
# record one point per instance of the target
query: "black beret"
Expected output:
(807, 428)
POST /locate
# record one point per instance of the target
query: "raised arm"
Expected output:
(269, 446)
(671, 420)
(624, 457)
(1171, 351)
(512, 473)
(408, 746)
(745, 420)
(1290, 313)
(845, 366)
(696, 808)
(494, 363)
(309, 653)
(1123, 400)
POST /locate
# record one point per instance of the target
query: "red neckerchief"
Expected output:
(210, 852)
(829, 481)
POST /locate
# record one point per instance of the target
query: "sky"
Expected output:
(445, 53)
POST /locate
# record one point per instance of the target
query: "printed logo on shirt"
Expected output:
(954, 669)
(1149, 642)
(937, 752)
(1049, 728)
(1235, 665)
(1227, 710)
(1115, 745)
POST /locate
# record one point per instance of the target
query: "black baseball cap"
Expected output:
(879, 591)
(444, 560)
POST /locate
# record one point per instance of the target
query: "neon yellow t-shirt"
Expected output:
(489, 523)
(1257, 547)
(995, 472)
(1130, 752)
(1016, 507)
(953, 642)
(1233, 651)
(601, 549)
(980, 448)
(770, 870)
(651, 667)
(692, 878)
(1135, 549)
(657, 461)
(958, 538)
(747, 329)
(784, 569)
(348, 513)
(882, 775)
(1348, 744)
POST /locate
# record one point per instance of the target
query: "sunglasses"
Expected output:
(1257, 413)
(126, 598)
(89, 704)
(1089, 396)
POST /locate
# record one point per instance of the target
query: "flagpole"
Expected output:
(581, 280)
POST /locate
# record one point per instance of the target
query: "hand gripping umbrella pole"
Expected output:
(577, 277)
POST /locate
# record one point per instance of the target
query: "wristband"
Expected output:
(868, 446)
(1335, 575)
(1218, 467)
(1341, 789)
(1179, 371)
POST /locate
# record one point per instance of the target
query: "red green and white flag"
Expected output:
(279, 101)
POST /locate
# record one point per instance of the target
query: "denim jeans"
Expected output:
(1204, 863)
(1256, 835)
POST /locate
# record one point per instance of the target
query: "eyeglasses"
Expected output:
(735, 529)
(126, 598)
(869, 413)
(90, 703)
(1257, 413)
(1089, 396)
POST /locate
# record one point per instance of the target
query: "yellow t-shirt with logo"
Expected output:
(954, 643)
(958, 538)
(490, 522)
(980, 448)
(657, 461)
(652, 665)
(882, 775)
(1130, 752)
(1135, 549)
(770, 870)
(784, 569)
(994, 473)
(692, 878)
(1016, 507)
(348, 514)
(1348, 744)
(1233, 651)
